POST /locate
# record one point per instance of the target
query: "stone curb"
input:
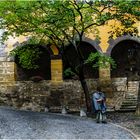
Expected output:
(132, 133)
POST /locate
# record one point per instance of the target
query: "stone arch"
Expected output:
(94, 43)
(113, 43)
(44, 63)
(71, 59)
(54, 49)
(126, 53)
(47, 47)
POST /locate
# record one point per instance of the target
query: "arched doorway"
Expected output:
(126, 54)
(71, 59)
(44, 70)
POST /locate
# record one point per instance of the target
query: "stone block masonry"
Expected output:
(53, 94)
(28, 95)
(7, 71)
(7, 76)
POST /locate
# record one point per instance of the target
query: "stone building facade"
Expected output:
(55, 93)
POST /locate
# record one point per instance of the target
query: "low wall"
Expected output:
(28, 95)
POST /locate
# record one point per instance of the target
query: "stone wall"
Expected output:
(28, 95)
(117, 88)
(44, 95)
(7, 71)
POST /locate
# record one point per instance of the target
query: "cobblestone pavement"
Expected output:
(16, 124)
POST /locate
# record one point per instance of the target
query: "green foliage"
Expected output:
(100, 60)
(27, 56)
(68, 73)
(64, 21)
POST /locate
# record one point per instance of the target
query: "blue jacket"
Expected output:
(99, 105)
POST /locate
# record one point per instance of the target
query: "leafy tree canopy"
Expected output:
(62, 22)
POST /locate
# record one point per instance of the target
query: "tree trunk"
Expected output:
(80, 74)
(85, 88)
(82, 79)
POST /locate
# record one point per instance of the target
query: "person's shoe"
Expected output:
(97, 122)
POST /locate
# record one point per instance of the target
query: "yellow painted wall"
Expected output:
(103, 34)
(56, 70)
(12, 40)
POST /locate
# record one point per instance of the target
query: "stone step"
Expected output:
(128, 106)
(132, 86)
(126, 110)
(131, 96)
(130, 99)
(133, 83)
(129, 102)
(131, 92)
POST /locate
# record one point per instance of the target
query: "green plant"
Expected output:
(68, 73)
(100, 60)
(27, 56)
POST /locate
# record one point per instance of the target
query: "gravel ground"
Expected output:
(16, 124)
(127, 120)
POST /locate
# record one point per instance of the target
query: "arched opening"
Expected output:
(126, 55)
(71, 60)
(43, 71)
